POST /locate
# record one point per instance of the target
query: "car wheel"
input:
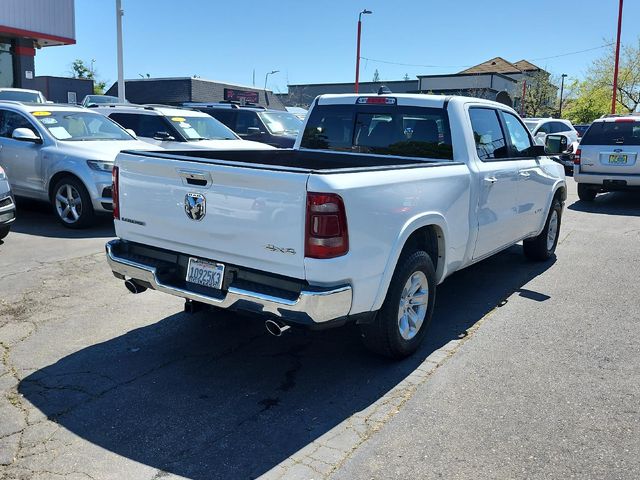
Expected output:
(72, 203)
(544, 245)
(586, 193)
(401, 323)
(4, 231)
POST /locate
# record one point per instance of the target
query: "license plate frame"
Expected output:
(615, 159)
(205, 273)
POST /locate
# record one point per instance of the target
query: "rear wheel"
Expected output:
(72, 203)
(4, 231)
(544, 245)
(401, 323)
(586, 193)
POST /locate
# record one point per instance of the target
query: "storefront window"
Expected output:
(6, 65)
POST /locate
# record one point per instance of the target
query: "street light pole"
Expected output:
(267, 76)
(615, 69)
(119, 14)
(363, 12)
(561, 92)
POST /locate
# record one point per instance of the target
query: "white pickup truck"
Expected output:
(381, 198)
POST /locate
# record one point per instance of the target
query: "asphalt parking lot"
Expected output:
(530, 370)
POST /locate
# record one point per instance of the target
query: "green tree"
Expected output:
(540, 95)
(79, 69)
(594, 93)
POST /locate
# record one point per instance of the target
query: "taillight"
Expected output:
(326, 234)
(115, 190)
(577, 157)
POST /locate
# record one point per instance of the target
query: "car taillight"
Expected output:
(326, 234)
(115, 190)
(576, 157)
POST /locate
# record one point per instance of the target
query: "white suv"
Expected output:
(609, 156)
(541, 127)
(177, 128)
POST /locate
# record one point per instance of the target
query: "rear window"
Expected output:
(612, 133)
(378, 129)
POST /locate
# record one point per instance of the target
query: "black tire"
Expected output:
(383, 336)
(4, 231)
(86, 215)
(539, 248)
(586, 193)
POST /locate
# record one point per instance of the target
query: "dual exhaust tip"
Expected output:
(274, 327)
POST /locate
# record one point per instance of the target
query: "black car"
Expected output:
(253, 122)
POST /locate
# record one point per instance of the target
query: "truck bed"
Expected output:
(297, 160)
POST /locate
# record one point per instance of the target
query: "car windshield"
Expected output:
(98, 99)
(619, 132)
(281, 123)
(201, 128)
(80, 126)
(31, 97)
(531, 125)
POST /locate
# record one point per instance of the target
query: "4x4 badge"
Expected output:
(195, 206)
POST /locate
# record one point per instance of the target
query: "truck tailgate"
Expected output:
(252, 217)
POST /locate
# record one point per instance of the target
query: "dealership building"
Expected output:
(26, 26)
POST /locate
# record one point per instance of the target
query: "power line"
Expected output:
(465, 66)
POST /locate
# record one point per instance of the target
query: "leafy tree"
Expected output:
(376, 76)
(594, 93)
(80, 70)
(540, 94)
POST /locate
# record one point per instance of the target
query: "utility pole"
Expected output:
(615, 69)
(119, 14)
(561, 92)
(363, 12)
(524, 93)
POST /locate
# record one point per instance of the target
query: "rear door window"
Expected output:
(488, 134)
(382, 130)
(613, 133)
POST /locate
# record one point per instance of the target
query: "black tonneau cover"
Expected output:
(299, 160)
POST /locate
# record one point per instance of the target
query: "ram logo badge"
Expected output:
(195, 206)
(273, 248)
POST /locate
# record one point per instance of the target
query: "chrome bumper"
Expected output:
(311, 307)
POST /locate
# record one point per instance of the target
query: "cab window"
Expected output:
(487, 133)
(518, 134)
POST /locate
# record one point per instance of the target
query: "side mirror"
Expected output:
(131, 132)
(253, 131)
(163, 136)
(556, 144)
(25, 135)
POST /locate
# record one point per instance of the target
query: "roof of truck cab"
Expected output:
(407, 99)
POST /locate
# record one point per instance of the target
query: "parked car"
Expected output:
(581, 129)
(22, 95)
(95, 100)
(380, 200)
(7, 205)
(609, 156)
(62, 154)
(541, 127)
(176, 128)
(253, 122)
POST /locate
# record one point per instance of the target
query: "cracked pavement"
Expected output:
(96, 383)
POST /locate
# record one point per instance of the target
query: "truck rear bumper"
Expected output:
(312, 307)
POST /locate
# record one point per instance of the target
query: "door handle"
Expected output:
(490, 179)
(524, 174)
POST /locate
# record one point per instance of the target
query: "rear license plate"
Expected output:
(207, 274)
(618, 159)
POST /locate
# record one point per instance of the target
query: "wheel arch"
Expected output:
(429, 233)
(56, 177)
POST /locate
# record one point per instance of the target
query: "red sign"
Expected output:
(242, 96)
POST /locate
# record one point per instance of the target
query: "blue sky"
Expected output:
(314, 42)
